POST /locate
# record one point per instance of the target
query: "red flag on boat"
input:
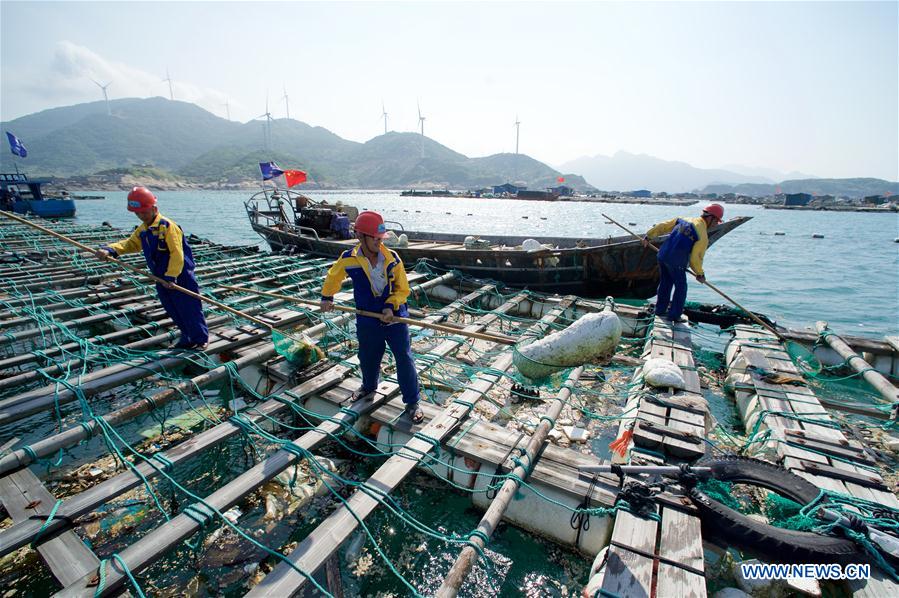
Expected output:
(294, 177)
(561, 179)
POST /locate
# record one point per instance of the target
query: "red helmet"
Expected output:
(371, 224)
(141, 199)
(714, 209)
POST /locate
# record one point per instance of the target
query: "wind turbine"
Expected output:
(228, 109)
(421, 121)
(267, 131)
(286, 102)
(169, 79)
(517, 126)
(105, 95)
(384, 116)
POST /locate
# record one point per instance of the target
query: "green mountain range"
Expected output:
(859, 187)
(186, 143)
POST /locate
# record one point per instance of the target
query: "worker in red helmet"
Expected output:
(685, 246)
(169, 257)
(379, 285)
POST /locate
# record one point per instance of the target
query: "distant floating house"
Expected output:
(507, 188)
(797, 199)
(562, 191)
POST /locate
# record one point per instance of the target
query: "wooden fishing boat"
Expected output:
(589, 267)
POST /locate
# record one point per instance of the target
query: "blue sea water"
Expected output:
(850, 278)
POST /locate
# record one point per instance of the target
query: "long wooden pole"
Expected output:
(141, 272)
(857, 363)
(500, 339)
(758, 320)
(469, 556)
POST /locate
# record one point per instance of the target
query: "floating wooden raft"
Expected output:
(803, 435)
(664, 558)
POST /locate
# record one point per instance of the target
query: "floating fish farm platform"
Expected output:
(127, 466)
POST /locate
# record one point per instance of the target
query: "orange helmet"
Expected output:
(715, 210)
(141, 199)
(371, 224)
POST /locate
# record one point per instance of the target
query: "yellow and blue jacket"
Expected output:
(687, 243)
(354, 264)
(164, 246)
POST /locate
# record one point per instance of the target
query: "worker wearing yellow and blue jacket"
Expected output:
(686, 245)
(169, 257)
(379, 285)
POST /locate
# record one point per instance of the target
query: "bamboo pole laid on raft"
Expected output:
(469, 555)
(857, 363)
(500, 339)
(141, 272)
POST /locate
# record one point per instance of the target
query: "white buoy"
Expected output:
(530, 245)
(592, 338)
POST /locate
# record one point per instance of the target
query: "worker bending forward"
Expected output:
(685, 246)
(168, 257)
(379, 285)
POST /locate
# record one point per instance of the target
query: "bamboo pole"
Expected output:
(469, 555)
(758, 320)
(857, 363)
(499, 339)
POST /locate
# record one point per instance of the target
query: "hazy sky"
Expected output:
(805, 86)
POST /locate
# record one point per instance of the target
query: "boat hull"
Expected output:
(619, 267)
(46, 208)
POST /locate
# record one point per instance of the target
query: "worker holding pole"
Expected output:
(169, 258)
(684, 247)
(380, 286)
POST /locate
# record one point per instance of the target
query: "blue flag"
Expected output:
(15, 146)
(269, 170)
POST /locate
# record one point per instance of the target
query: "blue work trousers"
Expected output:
(374, 337)
(185, 311)
(671, 276)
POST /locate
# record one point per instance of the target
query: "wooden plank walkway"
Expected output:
(24, 497)
(801, 433)
(661, 558)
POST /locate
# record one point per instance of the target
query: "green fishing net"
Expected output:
(297, 350)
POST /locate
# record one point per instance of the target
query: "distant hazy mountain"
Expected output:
(201, 148)
(861, 187)
(625, 171)
(769, 173)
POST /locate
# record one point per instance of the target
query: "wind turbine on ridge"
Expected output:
(421, 121)
(286, 102)
(228, 109)
(169, 79)
(267, 131)
(384, 116)
(517, 126)
(105, 95)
